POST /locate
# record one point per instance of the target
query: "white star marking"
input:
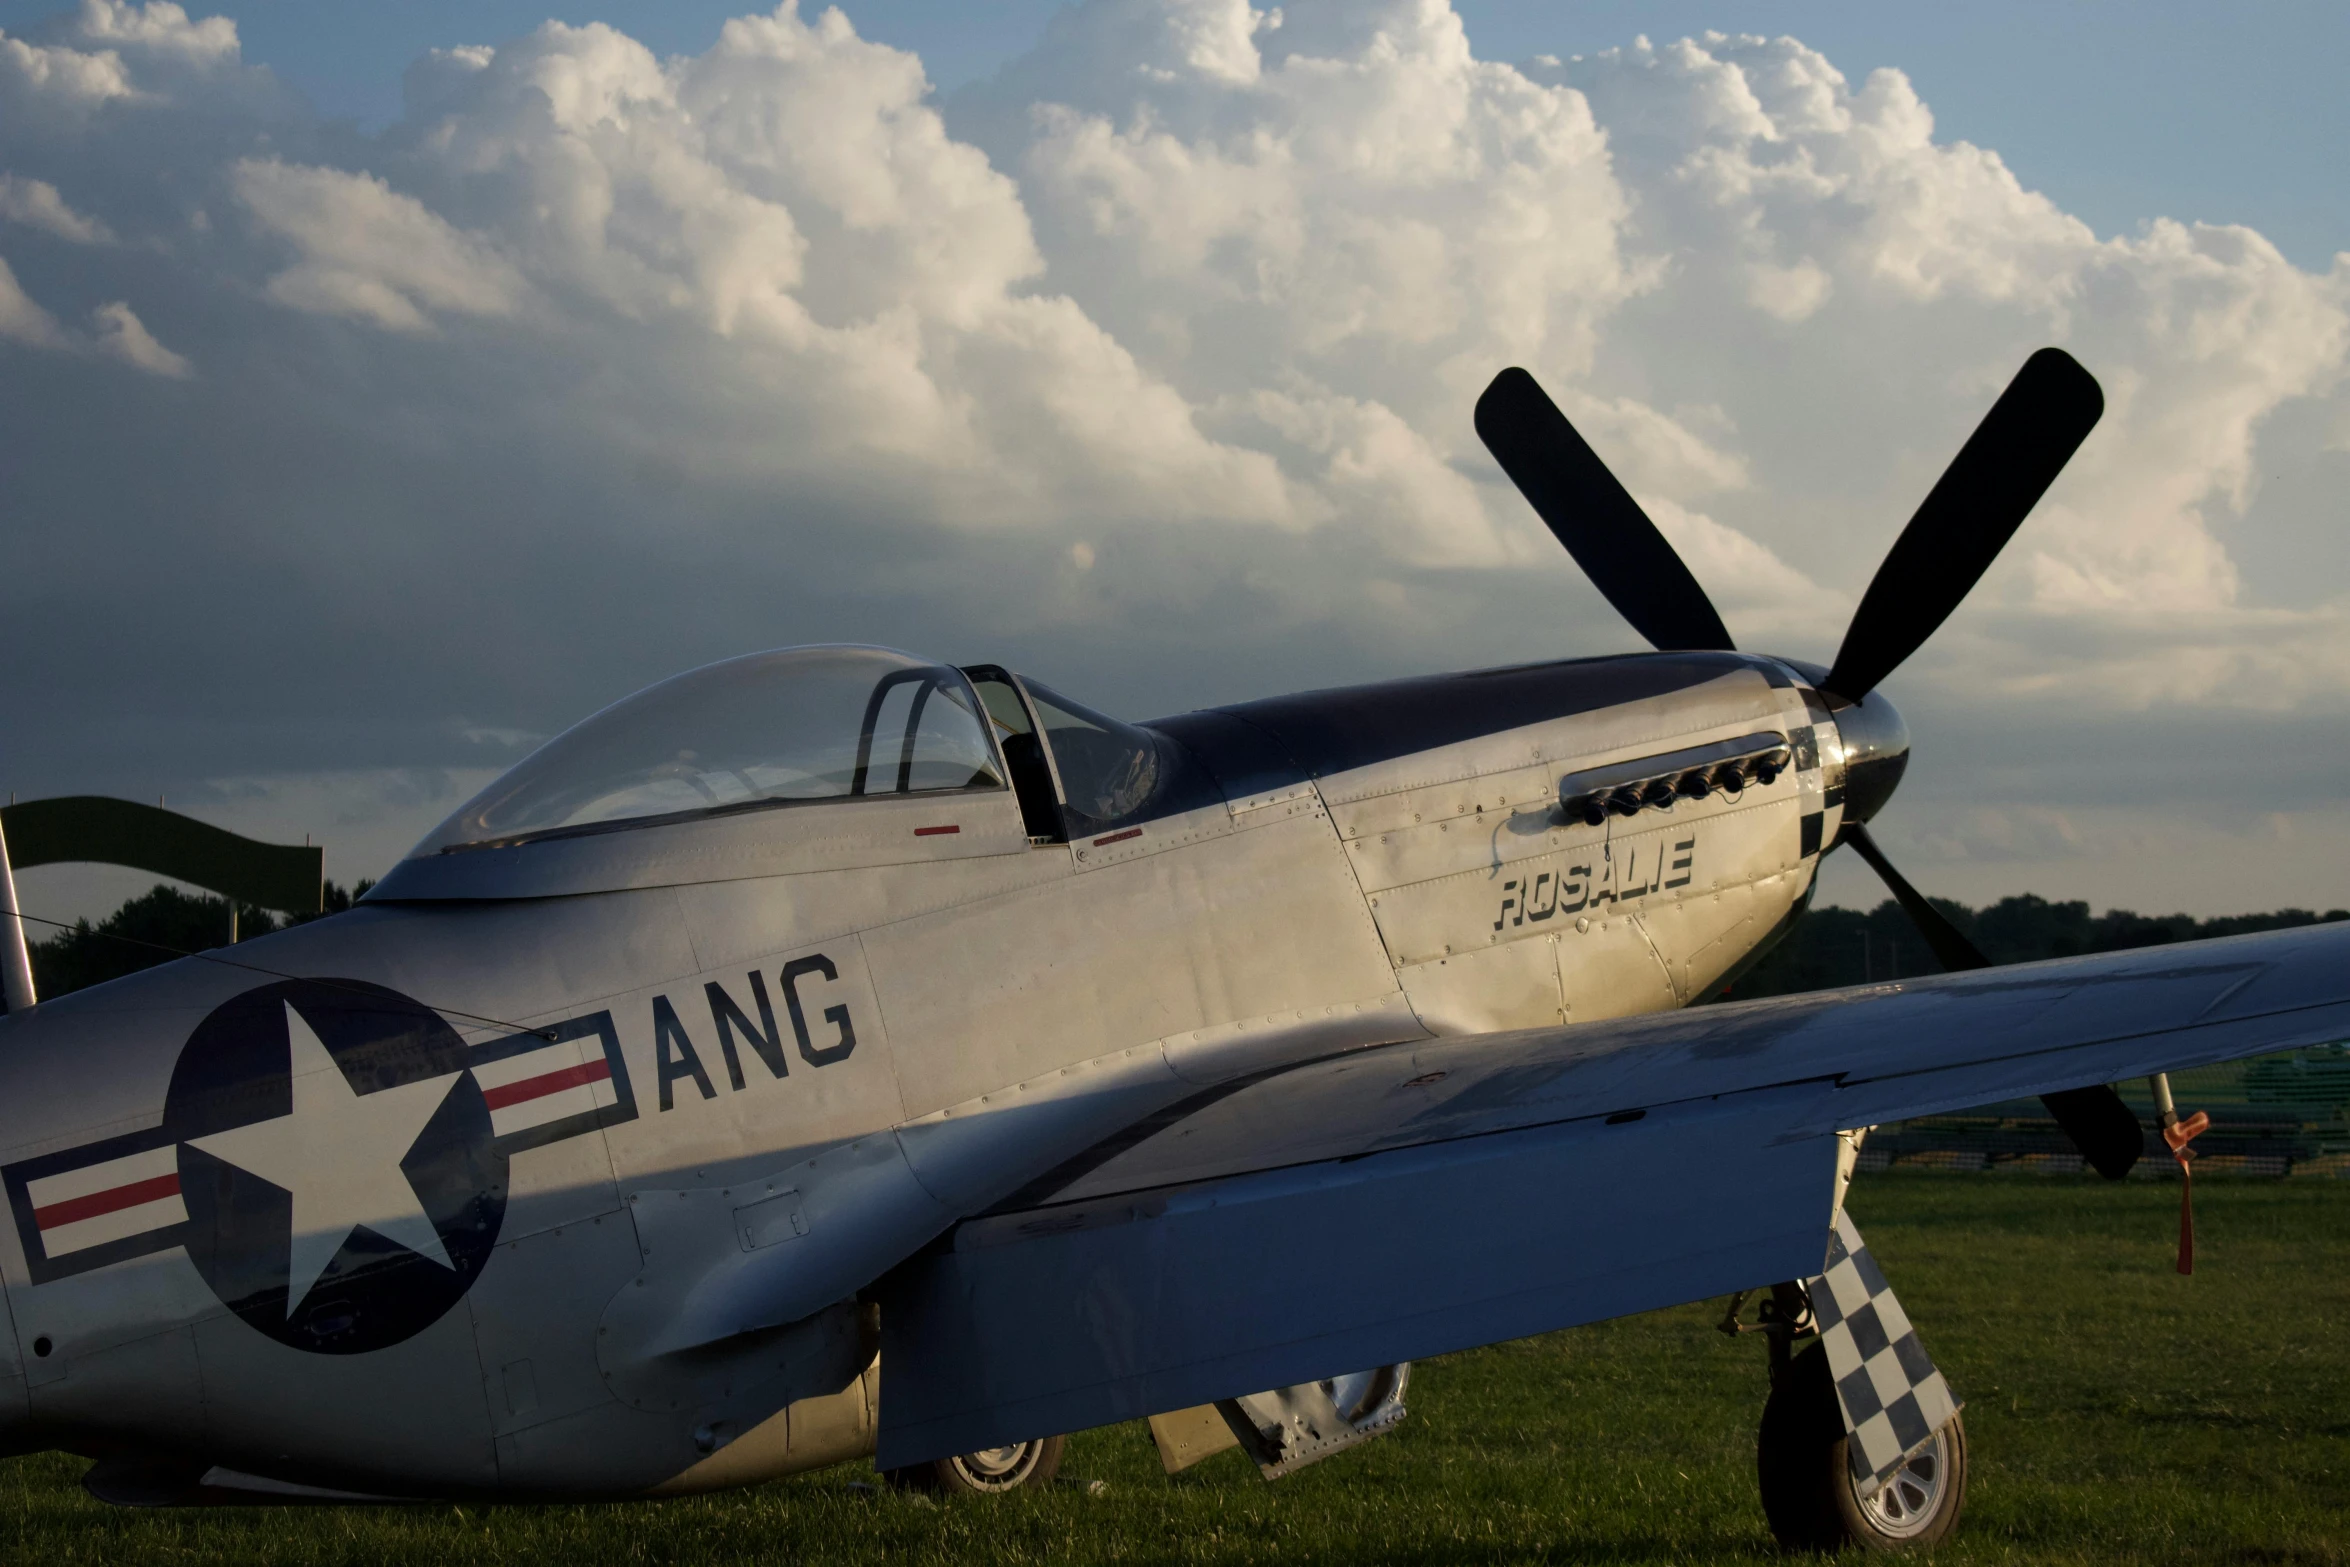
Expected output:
(339, 1153)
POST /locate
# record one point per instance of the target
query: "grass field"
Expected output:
(2117, 1413)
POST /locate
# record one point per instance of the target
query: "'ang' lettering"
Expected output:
(765, 1037)
(838, 1016)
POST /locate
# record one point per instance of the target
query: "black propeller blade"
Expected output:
(2100, 1125)
(1968, 517)
(1594, 516)
(1947, 942)
(1972, 511)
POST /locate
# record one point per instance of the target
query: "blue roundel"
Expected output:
(342, 1182)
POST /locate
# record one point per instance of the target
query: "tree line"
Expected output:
(1838, 946)
(155, 927)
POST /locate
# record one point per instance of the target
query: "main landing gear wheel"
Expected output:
(1808, 1492)
(990, 1471)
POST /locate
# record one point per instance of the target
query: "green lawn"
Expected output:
(2117, 1413)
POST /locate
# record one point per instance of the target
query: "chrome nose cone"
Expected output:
(1876, 750)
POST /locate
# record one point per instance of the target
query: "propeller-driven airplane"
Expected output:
(830, 1011)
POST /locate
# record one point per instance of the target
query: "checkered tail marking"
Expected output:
(1892, 1397)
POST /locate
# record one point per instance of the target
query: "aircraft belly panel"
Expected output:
(89, 1316)
(15, 1395)
(535, 1312)
(409, 1417)
(608, 1449)
(154, 1378)
(1236, 927)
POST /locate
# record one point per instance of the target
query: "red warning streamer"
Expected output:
(2179, 1134)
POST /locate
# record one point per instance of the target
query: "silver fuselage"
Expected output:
(665, 1293)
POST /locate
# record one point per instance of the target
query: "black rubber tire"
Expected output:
(1807, 1492)
(1017, 1468)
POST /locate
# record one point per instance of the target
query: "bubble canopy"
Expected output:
(793, 726)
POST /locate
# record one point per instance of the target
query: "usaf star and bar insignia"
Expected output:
(332, 1156)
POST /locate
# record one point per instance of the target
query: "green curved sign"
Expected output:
(97, 828)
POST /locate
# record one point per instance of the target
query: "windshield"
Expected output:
(1108, 769)
(786, 727)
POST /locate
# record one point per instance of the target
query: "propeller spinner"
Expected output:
(1976, 506)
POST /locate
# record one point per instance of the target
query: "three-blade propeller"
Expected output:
(1976, 506)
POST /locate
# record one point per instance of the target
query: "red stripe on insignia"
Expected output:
(1118, 837)
(75, 1209)
(547, 1083)
(933, 832)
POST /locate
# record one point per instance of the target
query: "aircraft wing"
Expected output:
(1408, 1200)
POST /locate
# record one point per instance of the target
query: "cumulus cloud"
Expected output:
(110, 53)
(116, 331)
(59, 79)
(121, 334)
(22, 321)
(1821, 236)
(1160, 344)
(370, 252)
(36, 204)
(159, 28)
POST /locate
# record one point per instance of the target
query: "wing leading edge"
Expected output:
(1409, 1200)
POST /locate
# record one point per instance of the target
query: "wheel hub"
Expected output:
(1908, 1502)
(999, 1468)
